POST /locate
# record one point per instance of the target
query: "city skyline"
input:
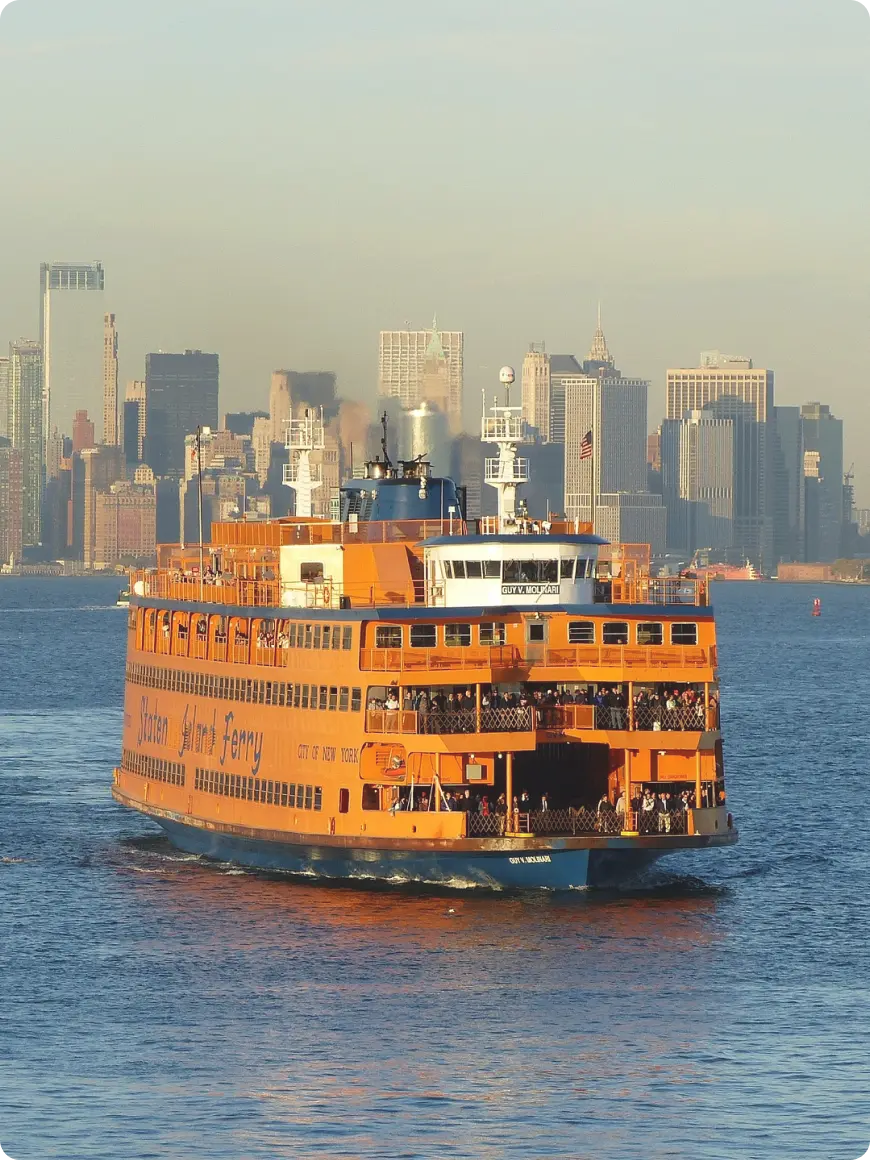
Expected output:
(688, 236)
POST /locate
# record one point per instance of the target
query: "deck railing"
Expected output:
(451, 721)
(590, 656)
(640, 719)
(573, 821)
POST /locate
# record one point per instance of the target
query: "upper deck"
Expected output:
(351, 564)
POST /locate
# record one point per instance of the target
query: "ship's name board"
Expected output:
(201, 735)
(530, 589)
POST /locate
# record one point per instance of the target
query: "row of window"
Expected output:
(258, 789)
(154, 768)
(520, 571)
(324, 636)
(579, 632)
(330, 697)
(269, 633)
(618, 632)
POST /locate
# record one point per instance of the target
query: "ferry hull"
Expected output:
(553, 869)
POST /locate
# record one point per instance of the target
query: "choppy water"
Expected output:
(155, 1006)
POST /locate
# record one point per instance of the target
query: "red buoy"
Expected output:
(817, 607)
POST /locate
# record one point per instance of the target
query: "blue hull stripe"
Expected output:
(551, 870)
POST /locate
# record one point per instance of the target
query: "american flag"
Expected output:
(586, 446)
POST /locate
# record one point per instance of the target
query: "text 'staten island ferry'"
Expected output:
(397, 695)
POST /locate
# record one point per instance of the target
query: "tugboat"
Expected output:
(403, 694)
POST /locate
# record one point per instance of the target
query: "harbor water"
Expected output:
(155, 1005)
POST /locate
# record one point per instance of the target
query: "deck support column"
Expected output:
(631, 705)
(477, 705)
(707, 705)
(630, 822)
(698, 800)
(509, 791)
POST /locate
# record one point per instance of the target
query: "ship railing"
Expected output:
(576, 820)
(661, 590)
(451, 721)
(225, 589)
(386, 660)
(624, 657)
(329, 594)
(640, 719)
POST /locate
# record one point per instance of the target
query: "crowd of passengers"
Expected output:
(666, 707)
(652, 810)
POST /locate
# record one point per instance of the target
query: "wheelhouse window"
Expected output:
(474, 569)
(566, 570)
(531, 571)
(424, 636)
(585, 568)
(457, 635)
(650, 633)
(493, 634)
(388, 636)
(459, 572)
(311, 572)
(684, 634)
(581, 632)
(615, 632)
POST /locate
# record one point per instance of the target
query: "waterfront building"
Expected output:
(746, 392)
(67, 373)
(11, 503)
(112, 417)
(25, 430)
(126, 521)
(823, 472)
(182, 394)
(418, 365)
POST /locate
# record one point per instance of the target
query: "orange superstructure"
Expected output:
(407, 698)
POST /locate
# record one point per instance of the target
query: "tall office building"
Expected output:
(11, 503)
(697, 465)
(83, 435)
(787, 484)
(4, 395)
(125, 518)
(536, 391)
(112, 417)
(746, 392)
(182, 394)
(67, 375)
(102, 467)
(24, 430)
(135, 425)
(423, 365)
(823, 459)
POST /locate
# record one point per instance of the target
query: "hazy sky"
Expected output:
(278, 180)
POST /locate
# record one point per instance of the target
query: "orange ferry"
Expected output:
(399, 695)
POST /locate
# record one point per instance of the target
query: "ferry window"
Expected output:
(220, 632)
(684, 634)
(536, 631)
(201, 627)
(371, 797)
(585, 568)
(458, 569)
(388, 636)
(308, 797)
(650, 634)
(318, 796)
(448, 569)
(304, 696)
(182, 628)
(615, 632)
(284, 788)
(531, 571)
(581, 632)
(336, 637)
(492, 569)
(343, 698)
(333, 697)
(457, 635)
(326, 639)
(355, 700)
(566, 570)
(292, 634)
(473, 569)
(297, 696)
(344, 800)
(492, 634)
(323, 696)
(424, 636)
(291, 795)
(311, 573)
(317, 636)
(308, 635)
(346, 638)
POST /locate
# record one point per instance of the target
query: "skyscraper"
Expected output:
(182, 394)
(4, 396)
(112, 419)
(62, 277)
(103, 466)
(24, 430)
(697, 465)
(746, 392)
(135, 425)
(11, 502)
(423, 365)
(536, 391)
(823, 460)
(82, 432)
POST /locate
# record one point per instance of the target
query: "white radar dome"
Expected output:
(507, 375)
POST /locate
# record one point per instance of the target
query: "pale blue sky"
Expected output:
(280, 179)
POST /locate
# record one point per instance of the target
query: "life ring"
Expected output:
(326, 592)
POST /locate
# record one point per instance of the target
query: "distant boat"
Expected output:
(746, 571)
(123, 600)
